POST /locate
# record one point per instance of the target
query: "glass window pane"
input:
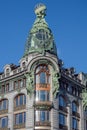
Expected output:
(42, 95)
(61, 119)
(4, 122)
(24, 99)
(4, 104)
(20, 118)
(74, 107)
(42, 116)
(17, 119)
(17, 101)
(74, 123)
(24, 117)
(42, 78)
(62, 101)
(21, 99)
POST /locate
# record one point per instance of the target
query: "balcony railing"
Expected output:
(76, 114)
(3, 111)
(45, 105)
(63, 127)
(42, 123)
(64, 109)
(19, 107)
(19, 126)
(74, 129)
(5, 128)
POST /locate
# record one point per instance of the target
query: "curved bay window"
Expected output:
(4, 104)
(20, 100)
(42, 95)
(42, 83)
(42, 116)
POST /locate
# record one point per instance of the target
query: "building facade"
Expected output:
(40, 94)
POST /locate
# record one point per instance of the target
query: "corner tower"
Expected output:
(42, 73)
(40, 39)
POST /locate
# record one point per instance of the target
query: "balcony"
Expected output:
(64, 109)
(42, 123)
(74, 129)
(3, 112)
(19, 107)
(44, 105)
(19, 126)
(76, 114)
(4, 128)
(63, 127)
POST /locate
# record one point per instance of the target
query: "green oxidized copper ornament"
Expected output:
(30, 82)
(55, 80)
(84, 96)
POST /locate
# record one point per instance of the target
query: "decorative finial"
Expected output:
(40, 10)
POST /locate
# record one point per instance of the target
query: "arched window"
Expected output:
(42, 74)
(4, 104)
(74, 107)
(20, 100)
(62, 101)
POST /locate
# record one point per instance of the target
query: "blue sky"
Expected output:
(66, 18)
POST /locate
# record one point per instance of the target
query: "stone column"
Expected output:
(81, 111)
(10, 113)
(69, 117)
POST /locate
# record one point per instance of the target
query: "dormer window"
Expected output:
(7, 70)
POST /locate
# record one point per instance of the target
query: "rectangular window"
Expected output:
(20, 118)
(74, 123)
(62, 119)
(4, 122)
(42, 116)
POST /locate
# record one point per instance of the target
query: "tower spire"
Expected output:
(40, 38)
